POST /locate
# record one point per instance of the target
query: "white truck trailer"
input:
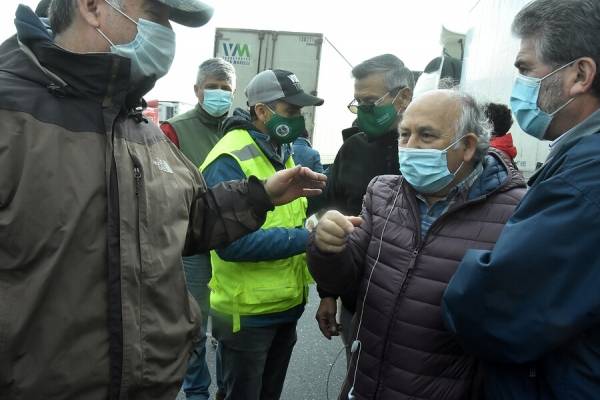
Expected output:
(484, 44)
(488, 71)
(252, 51)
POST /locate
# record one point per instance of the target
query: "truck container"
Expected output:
(485, 48)
(252, 51)
(488, 72)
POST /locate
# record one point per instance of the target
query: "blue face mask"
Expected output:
(217, 102)
(426, 170)
(524, 104)
(151, 52)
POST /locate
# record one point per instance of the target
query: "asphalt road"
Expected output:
(311, 361)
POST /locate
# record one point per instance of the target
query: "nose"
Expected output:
(412, 142)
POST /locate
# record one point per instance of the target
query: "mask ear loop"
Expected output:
(105, 37)
(552, 114)
(120, 12)
(561, 107)
(556, 70)
(267, 107)
(357, 344)
(454, 144)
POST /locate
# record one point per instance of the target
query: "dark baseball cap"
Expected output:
(192, 13)
(278, 84)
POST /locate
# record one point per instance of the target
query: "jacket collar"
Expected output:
(302, 141)
(495, 174)
(278, 155)
(498, 175)
(587, 127)
(101, 77)
(459, 191)
(240, 119)
(387, 138)
(206, 118)
(504, 143)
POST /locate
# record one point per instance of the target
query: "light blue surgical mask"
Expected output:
(426, 170)
(151, 52)
(217, 102)
(524, 104)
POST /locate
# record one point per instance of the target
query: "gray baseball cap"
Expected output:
(192, 13)
(278, 84)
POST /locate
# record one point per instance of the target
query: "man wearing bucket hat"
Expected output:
(260, 282)
(97, 206)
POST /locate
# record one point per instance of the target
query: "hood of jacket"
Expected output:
(498, 174)
(65, 73)
(504, 143)
(240, 119)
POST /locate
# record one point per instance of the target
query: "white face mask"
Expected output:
(151, 52)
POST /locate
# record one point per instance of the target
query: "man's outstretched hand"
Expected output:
(289, 184)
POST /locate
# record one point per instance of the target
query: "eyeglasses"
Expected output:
(354, 105)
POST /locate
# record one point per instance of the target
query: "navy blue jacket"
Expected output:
(306, 156)
(530, 308)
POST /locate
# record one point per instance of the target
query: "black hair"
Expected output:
(500, 117)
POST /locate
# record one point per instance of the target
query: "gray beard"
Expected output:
(551, 96)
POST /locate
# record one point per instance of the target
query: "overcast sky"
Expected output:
(409, 29)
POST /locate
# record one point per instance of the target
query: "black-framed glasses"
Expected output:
(368, 107)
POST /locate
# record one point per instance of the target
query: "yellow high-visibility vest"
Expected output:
(261, 287)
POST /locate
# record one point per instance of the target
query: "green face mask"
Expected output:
(375, 121)
(285, 129)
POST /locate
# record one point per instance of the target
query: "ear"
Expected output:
(92, 11)
(404, 98)
(262, 112)
(582, 79)
(470, 141)
(198, 93)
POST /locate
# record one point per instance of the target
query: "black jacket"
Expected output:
(358, 161)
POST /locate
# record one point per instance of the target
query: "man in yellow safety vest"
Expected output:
(260, 282)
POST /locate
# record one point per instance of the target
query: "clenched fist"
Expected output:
(333, 230)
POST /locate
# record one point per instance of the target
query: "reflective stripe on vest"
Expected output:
(261, 287)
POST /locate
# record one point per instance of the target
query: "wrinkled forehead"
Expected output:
(371, 86)
(439, 110)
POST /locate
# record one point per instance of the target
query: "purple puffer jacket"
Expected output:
(406, 352)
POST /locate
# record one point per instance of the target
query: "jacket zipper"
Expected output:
(414, 255)
(409, 270)
(137, 174)
(403, 285)
(420, 244)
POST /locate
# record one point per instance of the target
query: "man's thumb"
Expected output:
(355, 221)
(291, 172)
